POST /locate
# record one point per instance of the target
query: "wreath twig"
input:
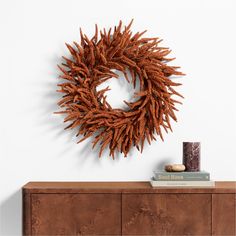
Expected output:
(92, 62)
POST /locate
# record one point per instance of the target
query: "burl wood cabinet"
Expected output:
(127, 208)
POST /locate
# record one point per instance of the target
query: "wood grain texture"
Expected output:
(223, 214)
(131, 208)
(121, 187)
(166, 214)
(76, 214)
(26, 213)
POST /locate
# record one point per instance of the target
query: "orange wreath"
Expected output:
(92, 62)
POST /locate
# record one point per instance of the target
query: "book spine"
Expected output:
(190, 177)
(183, 183)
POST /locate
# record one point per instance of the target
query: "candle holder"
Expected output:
(191, 156)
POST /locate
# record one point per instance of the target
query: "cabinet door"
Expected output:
(76, 214)
(166, 214)
(223, 214)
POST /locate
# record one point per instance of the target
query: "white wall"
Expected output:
(33, 145)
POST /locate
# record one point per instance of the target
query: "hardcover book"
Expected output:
(209, 183)
(181, 176)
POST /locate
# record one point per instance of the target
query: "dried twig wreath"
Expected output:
(92, 63)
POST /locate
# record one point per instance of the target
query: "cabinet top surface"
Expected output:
(122, 187)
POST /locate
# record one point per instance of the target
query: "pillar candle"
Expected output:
(191, 156)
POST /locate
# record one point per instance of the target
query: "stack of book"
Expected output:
(181, 179)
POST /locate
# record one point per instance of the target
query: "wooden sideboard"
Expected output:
(127, 208)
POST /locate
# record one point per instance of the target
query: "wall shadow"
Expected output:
(53, 123)
(11, 215)
(161, 164)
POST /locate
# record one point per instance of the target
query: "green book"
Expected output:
(181, 176)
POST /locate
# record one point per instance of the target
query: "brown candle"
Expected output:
(191, 156)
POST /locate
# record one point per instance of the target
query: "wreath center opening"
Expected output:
(120, 90)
